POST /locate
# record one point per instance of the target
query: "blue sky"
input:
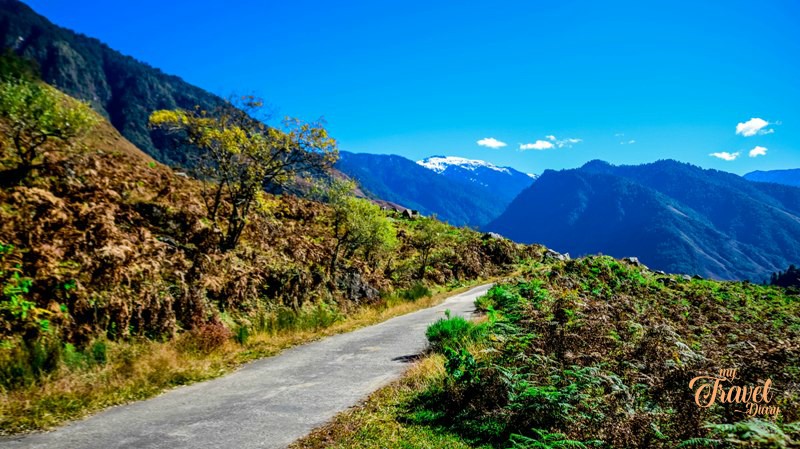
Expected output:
(633, 81)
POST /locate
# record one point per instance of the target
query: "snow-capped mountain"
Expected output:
(505, 182)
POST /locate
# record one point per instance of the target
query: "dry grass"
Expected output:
(143, 369)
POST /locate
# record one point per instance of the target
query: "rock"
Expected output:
(549, 254)
(667, 281)
(659, 272)
(355, 289)
(697, 276)
(492, 235)
(410, 214)
(632, 260)
(686, 277)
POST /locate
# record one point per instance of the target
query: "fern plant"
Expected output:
(751, 433)
(543, 439)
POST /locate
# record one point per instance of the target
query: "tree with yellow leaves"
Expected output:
(241, 156)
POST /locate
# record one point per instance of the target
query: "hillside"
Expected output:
(105, 253)
(790, 177)
(504, 182)
(673, 216)
(595, 352)
(122, 89)
(403, 181)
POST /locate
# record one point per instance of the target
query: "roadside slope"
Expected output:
(268, 403)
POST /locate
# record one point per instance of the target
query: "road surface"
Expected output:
(268, 403)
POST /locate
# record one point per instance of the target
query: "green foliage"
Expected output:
(544, 440)
(93, 354)
(33, 114)
(429, 236)
(596, 347)
(453, 333)
(242, 334)
(18, 313)
(318, 316)
(499, 297)
(751, 433)
(358, 226)
(460, 365)
(416, 291)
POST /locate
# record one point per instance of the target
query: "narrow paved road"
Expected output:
(265, 404)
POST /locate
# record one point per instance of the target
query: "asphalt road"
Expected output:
(268, 403)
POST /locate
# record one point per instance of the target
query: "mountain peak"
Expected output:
(442, 163)
(597, 165)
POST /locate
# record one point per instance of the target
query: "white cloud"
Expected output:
(538, 145)
(631, 142)
(758, 151)
(551, 142)
(491, 142)
(567, 142)
(754, 126)
(725, 156)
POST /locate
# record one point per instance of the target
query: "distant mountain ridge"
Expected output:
(119, 87)
(457, 199)
(673, 216)
(506, 182)
(789, 177)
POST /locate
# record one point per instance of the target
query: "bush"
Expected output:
(25, 362)
(417, 291)
(453, 332)
(498, 297)
(242, 334)
(208, 337)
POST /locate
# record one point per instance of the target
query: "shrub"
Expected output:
(415, 292)
(25, 362)
(460, 365)
(453, 332)
(242, 334)
(499, 297)
(99, 351)
(208, 337)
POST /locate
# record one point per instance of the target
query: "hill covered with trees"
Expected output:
(123, 90)
(672, 216)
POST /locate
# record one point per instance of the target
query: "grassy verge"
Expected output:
(137, 370)
(380, 421)
(388, 419)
